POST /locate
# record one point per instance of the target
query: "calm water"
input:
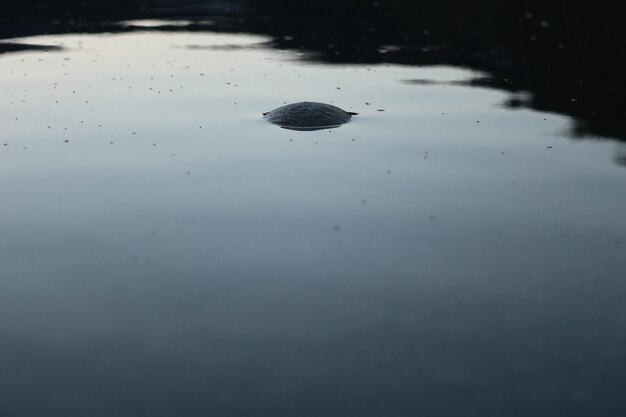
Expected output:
(164, 251)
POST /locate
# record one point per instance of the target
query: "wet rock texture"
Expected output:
(308, 116)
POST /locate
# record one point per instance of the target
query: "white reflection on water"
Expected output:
(157, 235)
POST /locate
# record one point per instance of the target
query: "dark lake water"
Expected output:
(165, 251)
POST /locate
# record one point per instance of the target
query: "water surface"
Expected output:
(166, 251)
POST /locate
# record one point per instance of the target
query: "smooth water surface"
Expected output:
(164, 251)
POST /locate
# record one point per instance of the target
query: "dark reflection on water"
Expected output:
(570, 60)
(417, 274)
(19, 47)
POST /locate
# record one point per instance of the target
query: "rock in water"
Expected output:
(308, 116)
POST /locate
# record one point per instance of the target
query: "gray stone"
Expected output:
(308, 116)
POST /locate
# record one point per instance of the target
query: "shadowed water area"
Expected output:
(456, 249)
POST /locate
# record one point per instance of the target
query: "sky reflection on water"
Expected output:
(165, 251)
